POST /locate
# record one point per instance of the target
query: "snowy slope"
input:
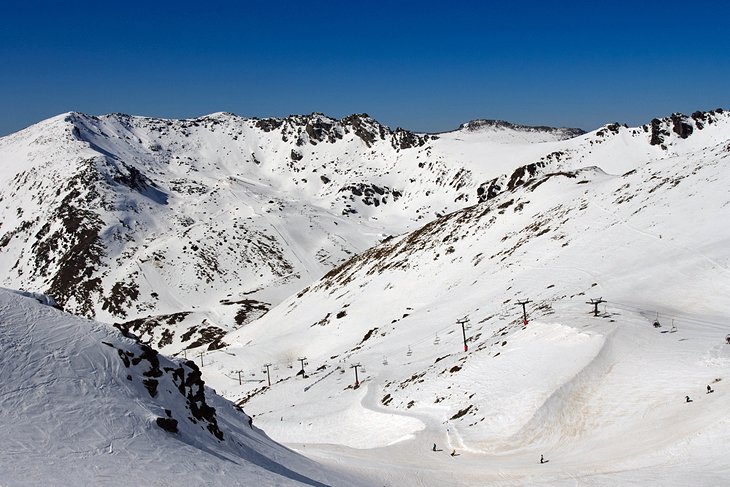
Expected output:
(186, 229)
(631, 215)
(82, 405)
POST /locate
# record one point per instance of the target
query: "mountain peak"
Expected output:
(488, 124)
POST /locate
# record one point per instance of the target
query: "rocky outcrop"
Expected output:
(157, 374)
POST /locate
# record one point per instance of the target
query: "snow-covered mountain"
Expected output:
(342, 243)
(187, 229)
(630, 217)
(84, 405)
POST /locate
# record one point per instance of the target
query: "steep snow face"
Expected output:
(188, 229)
(83, 405)
(599, 395)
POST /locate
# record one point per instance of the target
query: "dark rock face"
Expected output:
(167, 424)
(657, 132)
(521, 175)
(320, 129)
(296, 155)
(403, 139)
(249, 310)
(269, 124)
(212, 335)
(199, 409)
(681, 125)
(145, 365)
(487, 191)
(67, 249)
(121, 296)
(144, 328)
(365, 128)
(370, 194)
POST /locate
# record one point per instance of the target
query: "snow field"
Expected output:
(601, 397)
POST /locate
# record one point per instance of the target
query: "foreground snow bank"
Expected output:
(81, 404)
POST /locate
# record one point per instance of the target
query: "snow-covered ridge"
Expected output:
(538, 133)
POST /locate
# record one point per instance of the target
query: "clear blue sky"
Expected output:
(425, 66)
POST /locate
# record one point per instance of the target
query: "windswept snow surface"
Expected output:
(602, 397)
(72, 413)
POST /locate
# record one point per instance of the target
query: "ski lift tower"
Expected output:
(463, 321)
(357, 381)
(524, 310)
(595, 303)
(303, 361)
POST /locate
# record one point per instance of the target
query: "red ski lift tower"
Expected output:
(357, 382)
(524, 310)
(463, 321)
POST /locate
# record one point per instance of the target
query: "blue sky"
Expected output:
(425, 66)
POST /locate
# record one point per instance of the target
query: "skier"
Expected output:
(542, 459)
(453, 453)
(434, 447)
(250, 422)
(710, 389)
(687, 399)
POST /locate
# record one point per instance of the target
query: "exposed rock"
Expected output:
(658, 132)
(296, 155)
(681, 125)
(167, 424)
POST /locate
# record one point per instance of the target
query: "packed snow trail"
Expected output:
(577, 427)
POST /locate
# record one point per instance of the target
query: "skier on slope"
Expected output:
(687, 399)
(434, 447)
(710, 389)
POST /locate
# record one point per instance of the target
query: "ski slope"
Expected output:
(631, 215)
(73, 413)
(602, 397)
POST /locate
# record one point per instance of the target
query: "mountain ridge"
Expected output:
(184, 209)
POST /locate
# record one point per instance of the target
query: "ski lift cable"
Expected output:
(676, 316)
(504, 310)
(689, 318)
(426, 338)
